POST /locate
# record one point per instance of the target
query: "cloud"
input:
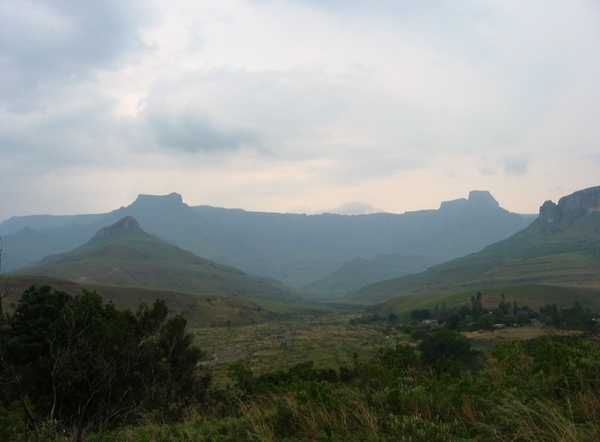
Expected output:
(298, 103)
(49, 45)
(516, 165)
(193, 132)
(354, 208)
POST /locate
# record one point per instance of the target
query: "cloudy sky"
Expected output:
(296, 105)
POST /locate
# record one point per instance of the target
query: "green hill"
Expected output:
(124, 255)
(562, 247)
(360, 272)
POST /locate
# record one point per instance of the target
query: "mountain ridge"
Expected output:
(296, 249)
(562, 246)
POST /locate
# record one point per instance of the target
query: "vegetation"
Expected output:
(535, 296)
(75, 367)
(507, 314)
(200, 309)
(543, 390)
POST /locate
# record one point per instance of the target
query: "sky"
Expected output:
(298, 106)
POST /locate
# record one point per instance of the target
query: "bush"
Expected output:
(446, 351)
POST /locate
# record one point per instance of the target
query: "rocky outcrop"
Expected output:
(581, 203)
(478, 200)
(126, 224)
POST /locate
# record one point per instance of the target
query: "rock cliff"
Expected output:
(580, 203)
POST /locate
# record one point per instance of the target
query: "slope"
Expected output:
(124, 255)
(200, 310)
(360, 272)
(561, 247)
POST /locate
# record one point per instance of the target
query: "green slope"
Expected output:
(125, 255)
(200, 310)
(565, 252)
(360, 272)
(534, 296)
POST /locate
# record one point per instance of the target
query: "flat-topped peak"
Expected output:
(172, 198)
(483, 197)
(480, 199)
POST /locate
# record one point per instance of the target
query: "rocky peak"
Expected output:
(483, 198)
(478, 200)
(172, 199)
(124, 225)
(581, 203)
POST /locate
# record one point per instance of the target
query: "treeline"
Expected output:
(478, 317)
(76, 365)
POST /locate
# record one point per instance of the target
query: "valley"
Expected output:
(362, 353)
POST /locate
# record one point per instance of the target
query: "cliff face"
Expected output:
(581, 203)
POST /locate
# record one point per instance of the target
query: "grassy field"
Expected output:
(328, 339)
(279, 335)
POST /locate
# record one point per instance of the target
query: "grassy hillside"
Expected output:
(359, 272)
(201, 310)
(125, 255)
(534, 296)
(564, 253)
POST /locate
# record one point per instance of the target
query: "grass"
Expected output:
(201, 310)
(326, 338)
(532, 295)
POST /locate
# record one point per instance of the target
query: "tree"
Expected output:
(420, 315)
(446, 351)
(25, 340)
(90, 366)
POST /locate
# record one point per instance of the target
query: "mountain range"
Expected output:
(560, 248)
(299, 250)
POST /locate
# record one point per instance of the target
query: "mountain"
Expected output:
(294, 248)
(360, 272)
(561, 247)
(122, 254)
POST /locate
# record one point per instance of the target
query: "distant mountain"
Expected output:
(123, 254)
(561, 247)
(360, 272)
(296, 249)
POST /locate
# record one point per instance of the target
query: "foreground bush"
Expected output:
(77, 365)
(545, 390)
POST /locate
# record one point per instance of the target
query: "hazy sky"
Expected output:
(297, 105)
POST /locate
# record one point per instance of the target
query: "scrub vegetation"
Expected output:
(77, 368)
